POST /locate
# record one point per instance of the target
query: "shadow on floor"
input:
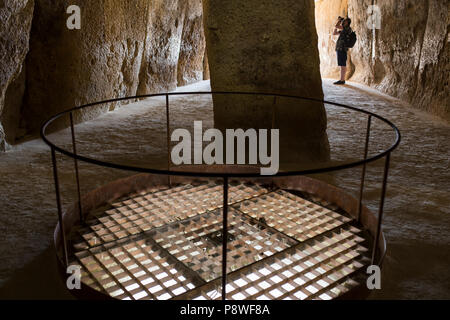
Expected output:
(38, 280)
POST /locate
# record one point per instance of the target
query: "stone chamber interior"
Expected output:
(127, 48)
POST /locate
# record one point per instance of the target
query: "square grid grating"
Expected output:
(135, 270)
(320, 269)
(142, 212)
(292, 215)
(165, 244)
(198, 242)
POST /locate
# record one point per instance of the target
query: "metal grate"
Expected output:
(198, 242)
(317, 270)
(151, 209)
(292, 215)
(165, 244)
(136, 271)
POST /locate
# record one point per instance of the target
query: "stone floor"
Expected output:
(417, 215)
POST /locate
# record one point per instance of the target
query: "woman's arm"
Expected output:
(337, 28)
(336, 32)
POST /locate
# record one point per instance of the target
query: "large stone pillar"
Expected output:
(268, 46)
(192, 48)
(15, 24)
(123, 48)
(66, 68)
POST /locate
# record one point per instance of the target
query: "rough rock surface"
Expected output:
(15, 23)
(192, 51)
(124, 48)
(412, 50)
(259, 46)
(66, 67)
(206, 75)
(163, 44)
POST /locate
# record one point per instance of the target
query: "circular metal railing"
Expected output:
(74, 155)
(223, 174)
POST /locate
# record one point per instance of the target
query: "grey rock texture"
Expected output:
(163, 45)
(15, 23)
(123, 48)
(259, 46)
(412, 52)
(193, 44)
(100, 61)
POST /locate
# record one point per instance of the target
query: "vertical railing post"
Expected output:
(380, 211)
(274, 109)
(168, 139)
(274, 106)
(74, 148)
(58, 204)
(363, 174)
(224, 238)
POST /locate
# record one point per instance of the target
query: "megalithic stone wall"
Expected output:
(268, 46)
(409, 58)
(124, 48)
(15, 24)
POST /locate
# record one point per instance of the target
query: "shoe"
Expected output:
(339, 82)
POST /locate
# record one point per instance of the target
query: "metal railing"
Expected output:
(223, 175)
